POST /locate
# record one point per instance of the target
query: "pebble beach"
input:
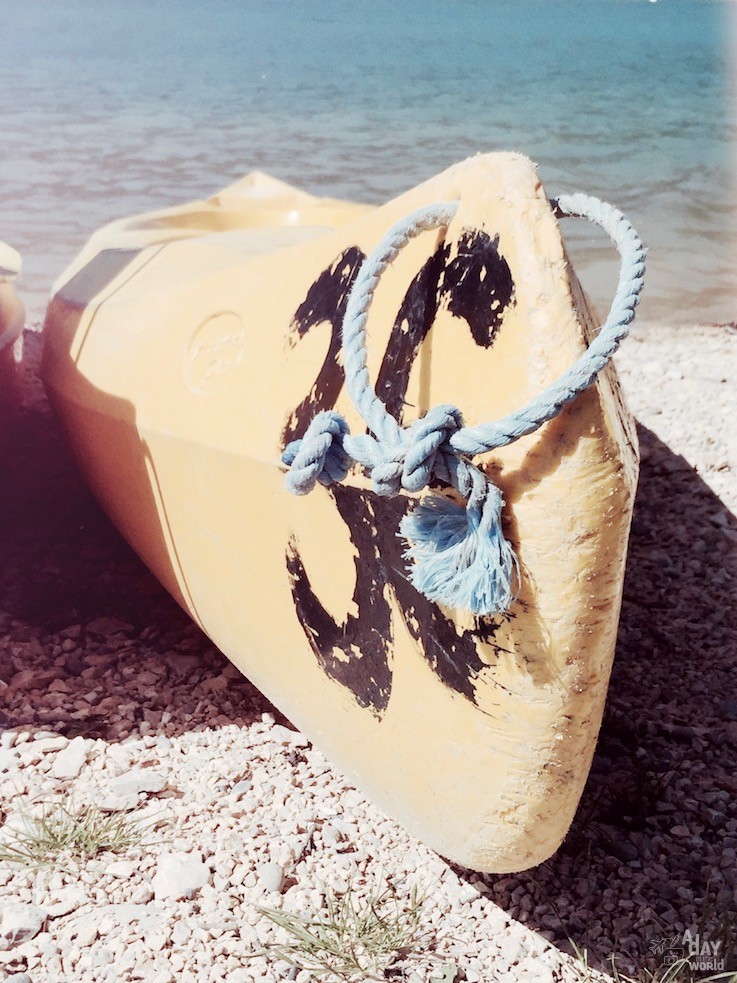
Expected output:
(110, 695)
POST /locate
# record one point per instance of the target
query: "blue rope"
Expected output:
(459, 557)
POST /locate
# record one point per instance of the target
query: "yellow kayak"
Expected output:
(190, 353)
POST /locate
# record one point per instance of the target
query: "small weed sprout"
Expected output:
(349, 938)
(61, 832)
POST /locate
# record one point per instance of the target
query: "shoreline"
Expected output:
(112, 695)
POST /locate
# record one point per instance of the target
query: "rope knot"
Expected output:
(319, 455)
(427, 449)
(413, 457)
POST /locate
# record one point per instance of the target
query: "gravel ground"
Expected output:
(110, 694)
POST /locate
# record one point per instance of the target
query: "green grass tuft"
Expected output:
(350, 938)
(60, 833)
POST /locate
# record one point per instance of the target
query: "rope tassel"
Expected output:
(460, 557)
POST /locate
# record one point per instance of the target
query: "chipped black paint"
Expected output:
(477, 286)
(357, 652)
(325, 302)
(415, 318)
(453, 656)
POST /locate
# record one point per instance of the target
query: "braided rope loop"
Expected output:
(459, 557)
(364, 397)
(549, 403)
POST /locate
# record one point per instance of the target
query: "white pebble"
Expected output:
(271, 876)
(71, 760)
(137, 781)
(20, 922)
(179, 876)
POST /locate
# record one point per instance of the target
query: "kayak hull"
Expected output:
(182, 366)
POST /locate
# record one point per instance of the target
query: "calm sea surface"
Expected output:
(112, 108)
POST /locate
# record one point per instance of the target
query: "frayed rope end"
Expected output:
(460, 558)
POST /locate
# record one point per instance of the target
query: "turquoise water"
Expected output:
(109, 109)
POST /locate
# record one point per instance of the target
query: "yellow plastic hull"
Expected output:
(186, 348)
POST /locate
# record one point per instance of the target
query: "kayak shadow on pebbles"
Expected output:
(652, 852)
(93, 647)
